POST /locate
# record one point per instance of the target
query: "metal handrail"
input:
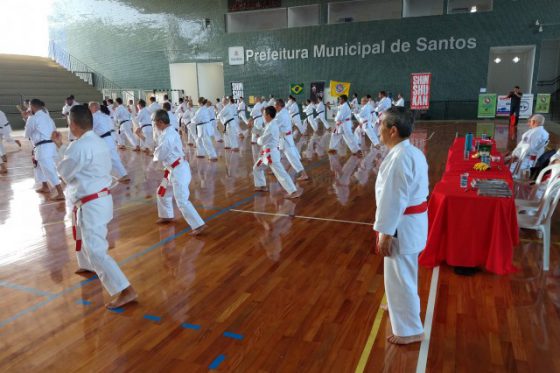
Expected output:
(80, 69)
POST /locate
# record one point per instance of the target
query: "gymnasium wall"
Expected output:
(133, 41)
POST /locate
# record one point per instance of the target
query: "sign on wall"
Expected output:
(339, 88)
(504, 104)
(317, 90)
(296, 88)
(236, 55)
(526, 105)
(487, 105)
(237, 90)
(543, 103)
(420, 84)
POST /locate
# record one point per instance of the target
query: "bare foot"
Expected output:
(190, 144)
(227, 147)
(137, 149)
(122, 147)
(261, 189)
(43, 190)
(58, 197)
(358, 154)
(124, 179)
(406, 340)
(200, 156)
(303, 177)
(295, 194)
(18, 143)
(126, 296)
(214, 159)
(332, 151)
(220, 140)
(164, 220)
(235, 149)
(198, 231)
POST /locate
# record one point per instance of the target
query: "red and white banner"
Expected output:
(420, 91)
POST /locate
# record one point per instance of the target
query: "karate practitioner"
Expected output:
(354, 104)
(144, 127)
(6, 135)
(123, 119)
(270, 157)
(400, 100)
(70, 103)
(154, 106)
(343, 128)
(39, 129)
(103, 127)
(256, 119)
(293, 109)
(401, 223)
(132, 108)
(86, 170)
(535, 140)
(188, 124)
(173, 120)
(309, 109)
(383, 105)
(177, 176)
(204, 131)
(166, 100)
(287, 144)
(213, 122)
(365, 127)
(321, 113)
(555, 159)
(241, 110)
(228, 116)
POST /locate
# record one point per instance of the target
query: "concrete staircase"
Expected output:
(30, 77)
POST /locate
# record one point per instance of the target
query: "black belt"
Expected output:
(107, 134)
(295, 114)
(225, 124)
(124, 121)
(145, 125)
(43, 142)
(257, 117)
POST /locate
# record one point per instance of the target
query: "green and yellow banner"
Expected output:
(296, 88)
(543, 103)
(487, 105)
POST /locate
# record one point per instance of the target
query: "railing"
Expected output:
(80, 69)
(8, 102)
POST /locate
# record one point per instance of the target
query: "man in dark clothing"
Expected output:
(515, 97)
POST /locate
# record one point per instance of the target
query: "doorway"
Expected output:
(198, 79)
(511, 66)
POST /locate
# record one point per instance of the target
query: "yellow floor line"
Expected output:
(371, 339)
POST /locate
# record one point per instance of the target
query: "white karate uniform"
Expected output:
(5, 132)
(343, 128)
(321, 114)
(365, 127)
(258, 122)
(355, 106)
(39, 127)
(535, 139)
(66, 112)
(144, 122)
(402, 182)
(270, 157)
(214, 123)
(293, 109)
(383, 105)
(555, 157)
(171, 105)
(124, 121)
(86, 169)
(308, 110)
(204, 129)
(168, 149)
(189, 125)
(399, 102)
(241, 109)
(287, 144)
(228, 116)
(103, 127)
(153, 107)
(173, 120)
(271, 102)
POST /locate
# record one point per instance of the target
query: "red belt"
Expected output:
(268, 157)
(165, 181)
(82, 201)
(288, 133)
(418, 209)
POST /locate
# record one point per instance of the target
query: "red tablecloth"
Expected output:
(467, 230)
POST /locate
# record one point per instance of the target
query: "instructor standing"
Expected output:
(515, 97)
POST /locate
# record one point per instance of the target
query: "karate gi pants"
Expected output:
(6, 134)
(231, 138)
(257, 128)
(46, 157)
(288, 146)
(312, 122)
(93, 218)
(115, 157)
(127, 134)
(148, 142)
(217, 135)
(321, 118)
(347, 135)
(191, 133)
(401, 288)
(296, 120)
(362, 130)
(178, 187)
(204, 146)
(277, 169)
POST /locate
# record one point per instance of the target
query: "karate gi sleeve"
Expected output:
(266, 136)
(393, 199)
(162, 149)
(538, 141)
(71, 163)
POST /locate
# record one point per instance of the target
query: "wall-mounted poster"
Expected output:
(420, 84)
(236, 90)
(487, 105)
(317, 89)
(526, 106)
(504, 103)
(543, 103)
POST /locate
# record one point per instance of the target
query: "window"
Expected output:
(364, 10)
(258, 20)
(306, 15)
(469, 6)
(421, 8)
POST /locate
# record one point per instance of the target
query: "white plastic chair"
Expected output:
(542, 219)
(533, 201)
(523, 153)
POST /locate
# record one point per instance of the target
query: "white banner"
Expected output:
(526, 109)
(503, 106)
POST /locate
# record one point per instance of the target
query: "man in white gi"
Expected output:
(228, 116)
(154, 106)
(103, 127)
(173, 120)
(293, 109)
(383, 105)
(86, 170)
(401, 223)
(354, 104)
(39, 129)
(343, 128)
(144, 129)
(216, 135)
(6, 135)
(271, 101)
(321, 113)
(256, 119)
(533, 144)
(176, 178)
(204, 131)
(287, 144)
(69, 104)
(241, 110)
(188, 124)
(270, 157)
(365, 127)
(124, 121)
(399, 101)
(309, 109)
(171, 105)
(132, 108)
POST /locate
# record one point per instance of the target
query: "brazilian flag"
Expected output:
(296, 88)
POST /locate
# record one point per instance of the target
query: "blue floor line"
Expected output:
(25, 289)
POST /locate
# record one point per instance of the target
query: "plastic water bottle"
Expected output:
(468, 142)
(464, 180)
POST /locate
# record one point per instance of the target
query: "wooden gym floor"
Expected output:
(273, 286)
